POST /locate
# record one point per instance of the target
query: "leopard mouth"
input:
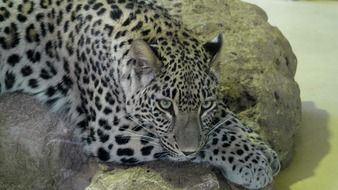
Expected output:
(177, 155)
(180, 158)
(172, 153)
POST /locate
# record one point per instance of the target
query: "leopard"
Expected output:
(134, 82)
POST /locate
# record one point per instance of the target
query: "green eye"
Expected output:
(165, 104)
(207, 105)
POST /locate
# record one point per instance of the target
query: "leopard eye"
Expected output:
(165, 104)
(207, 105)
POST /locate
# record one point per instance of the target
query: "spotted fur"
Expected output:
(136, 84)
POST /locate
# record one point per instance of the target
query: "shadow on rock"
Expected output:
(311, 146)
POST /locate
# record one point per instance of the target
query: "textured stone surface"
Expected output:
(161, 178)
(37, 150)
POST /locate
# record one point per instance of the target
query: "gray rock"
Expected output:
(38, 151)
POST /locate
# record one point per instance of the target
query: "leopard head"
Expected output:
(172, 88)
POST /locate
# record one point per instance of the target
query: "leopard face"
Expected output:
(176, 93)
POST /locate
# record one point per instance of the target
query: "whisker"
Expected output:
(63, 141)
(139, 124)
(150, 142)
(139, 135)
(146, 138)
(163, 155)
(218, 125)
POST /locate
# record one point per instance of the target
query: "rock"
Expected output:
(125, 179)
(147, 178)
(38, 151)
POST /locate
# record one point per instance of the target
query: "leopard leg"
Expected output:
(243, 161)
(255, 139)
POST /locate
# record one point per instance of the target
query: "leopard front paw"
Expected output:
(246, 174)
(241, 161)
(272, 158)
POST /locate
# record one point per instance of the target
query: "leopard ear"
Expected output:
(143, 70)
(214, 46)
(146, 60)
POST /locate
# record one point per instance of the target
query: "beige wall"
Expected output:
(312, 29)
